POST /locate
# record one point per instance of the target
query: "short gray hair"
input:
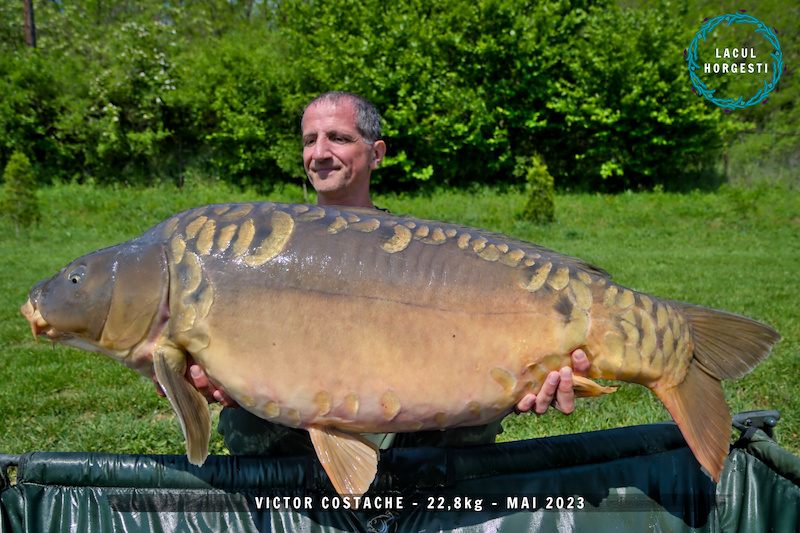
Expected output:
(368, 120)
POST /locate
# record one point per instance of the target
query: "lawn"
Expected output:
(736, 250)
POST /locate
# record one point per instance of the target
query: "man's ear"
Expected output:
(378, 151)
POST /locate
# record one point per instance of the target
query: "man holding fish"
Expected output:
(341, 136)
(393, 325)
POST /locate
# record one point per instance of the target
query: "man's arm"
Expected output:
(556, 390)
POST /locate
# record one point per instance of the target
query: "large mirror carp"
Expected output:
(346, 321)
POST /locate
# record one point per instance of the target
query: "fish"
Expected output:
(344, 321)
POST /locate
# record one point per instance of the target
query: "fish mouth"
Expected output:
(39, 325)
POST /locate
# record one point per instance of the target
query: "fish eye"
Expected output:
(76, 276)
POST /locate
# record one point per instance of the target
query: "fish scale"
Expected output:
(341, 321)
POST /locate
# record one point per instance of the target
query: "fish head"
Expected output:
(109, 301)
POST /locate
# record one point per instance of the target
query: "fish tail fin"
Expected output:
(698, 406)
(726, 346)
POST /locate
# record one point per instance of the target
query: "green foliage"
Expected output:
(234, 100)
(145, 92)
(461, 85)
(769, 149)
(628, 110)
(540, 207)
(19, 203)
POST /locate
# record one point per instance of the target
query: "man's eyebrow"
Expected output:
(331, 133)
(338, 133)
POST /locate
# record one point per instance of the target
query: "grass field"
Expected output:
(736, 250)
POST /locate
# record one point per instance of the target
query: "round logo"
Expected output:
(690, 55)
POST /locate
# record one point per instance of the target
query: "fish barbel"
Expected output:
(342, 321)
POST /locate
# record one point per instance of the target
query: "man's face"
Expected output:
(335, 157)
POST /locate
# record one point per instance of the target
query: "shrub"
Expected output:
(19, 198)
(540, 207)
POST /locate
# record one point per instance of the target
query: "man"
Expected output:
(342, 145)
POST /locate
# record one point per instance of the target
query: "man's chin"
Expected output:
(328, 183)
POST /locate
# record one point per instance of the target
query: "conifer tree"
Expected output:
(19, 203)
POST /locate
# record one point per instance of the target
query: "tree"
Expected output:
(30, 27)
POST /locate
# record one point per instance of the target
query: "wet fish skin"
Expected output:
(352, 320)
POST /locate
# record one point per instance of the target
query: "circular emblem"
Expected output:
(702, 89)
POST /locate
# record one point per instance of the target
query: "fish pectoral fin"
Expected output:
(350, 460)
(585, 387)
(188, 403)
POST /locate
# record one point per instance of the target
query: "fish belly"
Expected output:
(373, 365)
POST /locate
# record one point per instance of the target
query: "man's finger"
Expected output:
(580, 363)
(224, 399)
(525, 404)
(545, 396)
(198, 377)
(565, 396)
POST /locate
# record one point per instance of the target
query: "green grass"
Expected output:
(736, 250)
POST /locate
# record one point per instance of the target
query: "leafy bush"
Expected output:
(628, 111)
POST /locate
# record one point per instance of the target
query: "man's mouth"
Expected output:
(325, 172)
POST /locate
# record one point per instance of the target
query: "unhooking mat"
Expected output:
(635, 479)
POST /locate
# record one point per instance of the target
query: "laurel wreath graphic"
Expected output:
(777, 66)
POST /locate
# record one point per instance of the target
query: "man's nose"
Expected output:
(321, 149)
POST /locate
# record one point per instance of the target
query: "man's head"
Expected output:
(341, 145)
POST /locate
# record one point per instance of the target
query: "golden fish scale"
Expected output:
(630, 343)
(528, 312)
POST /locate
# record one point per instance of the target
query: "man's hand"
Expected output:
(198, 378)
(556, 389)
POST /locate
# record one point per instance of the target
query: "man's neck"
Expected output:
(347, 201)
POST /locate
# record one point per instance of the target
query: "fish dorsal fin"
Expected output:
(188, 403)
(350, 460)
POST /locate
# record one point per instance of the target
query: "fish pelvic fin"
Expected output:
(726, 346)
(585, 387)
(188, 403)
(350, 460)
